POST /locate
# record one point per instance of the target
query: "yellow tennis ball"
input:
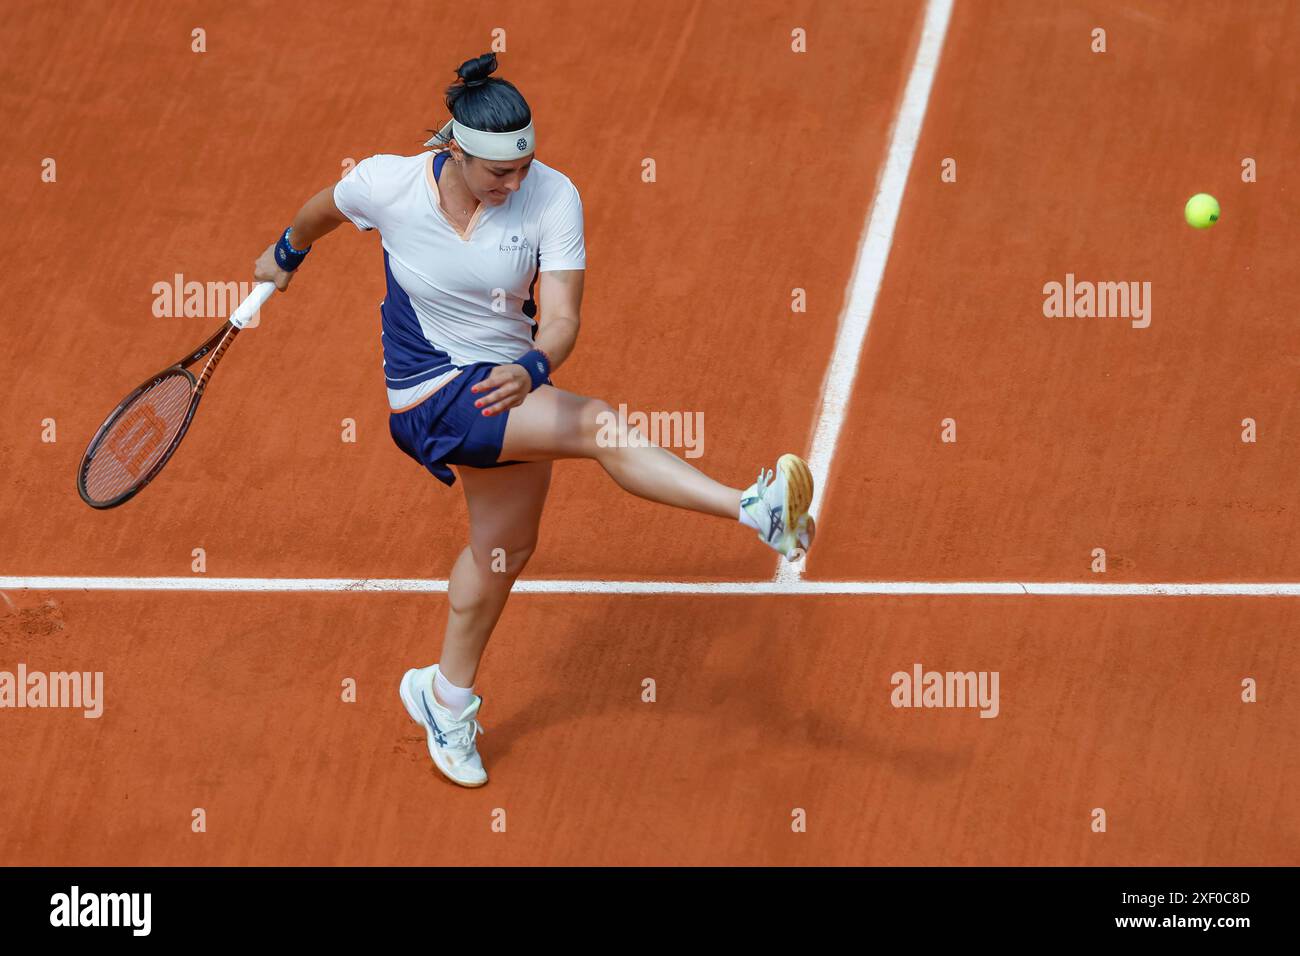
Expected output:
(1201, 211)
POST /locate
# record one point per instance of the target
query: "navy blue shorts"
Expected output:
(446, 429)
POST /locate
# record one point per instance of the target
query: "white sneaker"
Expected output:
(452, 739)
(780, 507)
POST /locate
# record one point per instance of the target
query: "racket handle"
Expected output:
(248, 308)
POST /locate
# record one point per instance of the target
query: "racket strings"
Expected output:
(139, 437)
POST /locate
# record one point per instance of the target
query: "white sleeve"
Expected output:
(562, 245)
(353, 194)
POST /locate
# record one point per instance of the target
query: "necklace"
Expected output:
(464, 214)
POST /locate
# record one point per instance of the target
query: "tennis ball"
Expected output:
(1201, 211)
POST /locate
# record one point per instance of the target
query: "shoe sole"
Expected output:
(798, 499)
(413, 711)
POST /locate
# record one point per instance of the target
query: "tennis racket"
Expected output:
(140, 436)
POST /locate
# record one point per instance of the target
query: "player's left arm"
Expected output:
(560, 308)
(562, 259)
(560, 297)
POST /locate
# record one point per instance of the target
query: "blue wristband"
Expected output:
(537, 365)
(286, 256)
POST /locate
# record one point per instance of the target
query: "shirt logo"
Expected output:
(516, 244)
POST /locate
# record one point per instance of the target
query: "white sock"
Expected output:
(747, 519)
(454, 698)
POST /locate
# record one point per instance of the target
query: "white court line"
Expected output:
(873, 253)
(540, 586)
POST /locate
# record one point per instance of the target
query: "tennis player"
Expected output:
(477, 235)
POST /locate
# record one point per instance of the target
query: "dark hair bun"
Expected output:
(476, 71)
(483, 101)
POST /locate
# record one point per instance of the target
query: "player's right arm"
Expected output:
(318, 217)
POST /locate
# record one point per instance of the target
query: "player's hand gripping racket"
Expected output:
(144, 431)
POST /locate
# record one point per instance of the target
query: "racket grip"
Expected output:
(248, 308)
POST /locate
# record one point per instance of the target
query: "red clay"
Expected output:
(1072, 434)
(232, 703)
(1077, 433)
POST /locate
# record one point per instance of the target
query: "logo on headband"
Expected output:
(522, 144)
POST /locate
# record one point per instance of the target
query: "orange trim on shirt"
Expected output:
(421, 401)
(437, 198)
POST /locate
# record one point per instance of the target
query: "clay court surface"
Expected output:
(1072, 434)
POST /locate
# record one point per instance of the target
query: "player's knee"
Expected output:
(517, 557)
(600, 426)
(505, 559)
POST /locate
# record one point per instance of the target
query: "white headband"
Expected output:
(476, 142)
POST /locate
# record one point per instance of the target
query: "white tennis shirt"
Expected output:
(454, 299)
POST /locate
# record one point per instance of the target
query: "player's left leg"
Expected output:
(505, 506)
(505, 509)
(553, 423)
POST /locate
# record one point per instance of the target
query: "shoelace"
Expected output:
(460, 736)
(774, 519)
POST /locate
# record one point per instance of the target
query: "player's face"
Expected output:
(493, 180)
